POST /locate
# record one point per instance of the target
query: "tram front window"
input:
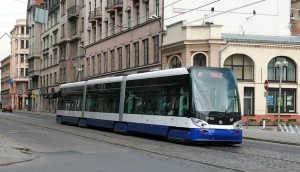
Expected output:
(214, 92)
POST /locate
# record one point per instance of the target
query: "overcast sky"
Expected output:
(10, 11)
(272, 16)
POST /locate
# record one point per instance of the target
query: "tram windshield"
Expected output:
(215, 92)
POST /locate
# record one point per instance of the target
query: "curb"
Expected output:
(272, 141)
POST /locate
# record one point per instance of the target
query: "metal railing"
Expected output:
(73, 11)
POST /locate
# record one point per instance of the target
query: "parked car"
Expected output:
(6, 108)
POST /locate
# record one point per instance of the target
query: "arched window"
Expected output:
(288, 73)
(175, 62)
(199, 60)
(242, 66)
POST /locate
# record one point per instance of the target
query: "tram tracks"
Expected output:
(207, 155)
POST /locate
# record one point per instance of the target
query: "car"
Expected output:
(7, 108)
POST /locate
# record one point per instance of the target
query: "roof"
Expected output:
(262, 38)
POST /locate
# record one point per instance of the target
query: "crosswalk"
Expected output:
(289, 128)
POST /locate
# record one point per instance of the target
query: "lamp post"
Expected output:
(280, 65)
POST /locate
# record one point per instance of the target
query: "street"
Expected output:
(69, 148)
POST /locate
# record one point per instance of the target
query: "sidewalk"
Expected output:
(270, 134)
(13, 152)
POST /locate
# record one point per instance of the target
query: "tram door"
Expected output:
(248, 100)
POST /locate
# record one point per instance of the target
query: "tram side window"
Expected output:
(156, 101)
(72, 103)
(103, 100)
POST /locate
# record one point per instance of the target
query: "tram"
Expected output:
(196, 104)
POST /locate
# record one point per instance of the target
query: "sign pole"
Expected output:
(266, 85)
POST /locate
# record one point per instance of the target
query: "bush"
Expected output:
(267, 119)
(292, 120)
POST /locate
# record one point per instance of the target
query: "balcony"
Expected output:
(54, 5)
(112, 5)
(98, 13)
(33, 73)
(92, 17)
(73, 12)
(118, 4)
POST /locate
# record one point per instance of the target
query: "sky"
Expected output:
(10, 11)
(272, 16)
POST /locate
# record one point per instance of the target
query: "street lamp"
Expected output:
(280, 65)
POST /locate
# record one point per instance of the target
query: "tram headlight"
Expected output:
(238, 125)
(199, 122)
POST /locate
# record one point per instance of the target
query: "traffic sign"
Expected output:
(266, 85)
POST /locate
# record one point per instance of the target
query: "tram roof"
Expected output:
(74, 84)
(156, 74)
(146, 75)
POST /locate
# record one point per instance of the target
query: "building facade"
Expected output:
(87, 39)
(122, 37)
(19, 65)
(55, 49)
(295, 17)
(251, 57)
(6, 81)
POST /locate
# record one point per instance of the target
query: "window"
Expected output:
(22, 30)
(156, 49)
(129, 19)
(288, 73)
(55, 38)
(241, 65)
(74, 27)
(146, 51)
(112, 53)
(55, 56)
(93, 67)
(157, 7)
(88, 67)
(62, 52)
(199, 60)
(136, 53)
(26, 71)
(105, 62)
(50, 82)
(287, 103)
(63, 8)
(55, 18)
(22, 72)
(22, 58)
(62, 30)
(120, 58)
(249, 100)
(99, 63)
(175, 62)
(82, 24)
(106, 31)
(147, 10)
(127, 56)
(137, 15)
(22, 44)
(55, 77)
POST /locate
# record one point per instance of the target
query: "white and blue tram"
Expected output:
(196, 104)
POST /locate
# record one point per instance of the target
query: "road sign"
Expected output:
(265, 93)
(266, 85)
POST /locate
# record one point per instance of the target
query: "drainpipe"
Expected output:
(220, 51)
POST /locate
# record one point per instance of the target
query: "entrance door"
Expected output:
(248, 101)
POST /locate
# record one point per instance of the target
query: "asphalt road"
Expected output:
(69, 148)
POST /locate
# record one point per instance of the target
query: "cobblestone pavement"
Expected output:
(13, 152)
